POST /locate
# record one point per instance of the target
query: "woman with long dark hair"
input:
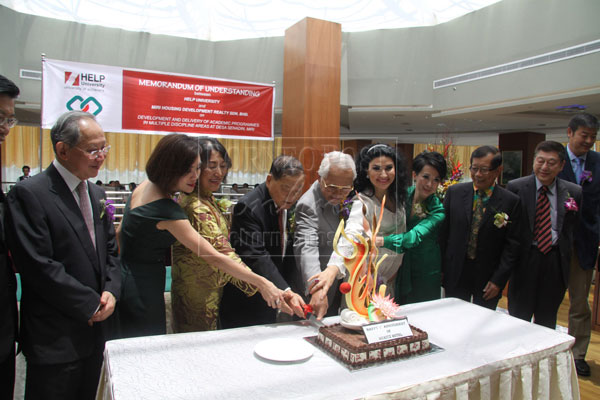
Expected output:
(152, 222)
(380, 171)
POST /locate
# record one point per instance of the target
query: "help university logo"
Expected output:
(90, 104)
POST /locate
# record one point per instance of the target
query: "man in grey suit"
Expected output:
(549, 213)
(583, 168)
(64, 246)
(317, 219)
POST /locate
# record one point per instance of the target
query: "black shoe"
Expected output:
(583, 369)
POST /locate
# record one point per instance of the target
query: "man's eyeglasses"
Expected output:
(483, 170)
(95, 154)
(10, 122)
(337, 188)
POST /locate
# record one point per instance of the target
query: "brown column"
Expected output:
(407, 150)
(514, 146)
(311, 92)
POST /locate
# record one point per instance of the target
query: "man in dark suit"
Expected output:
(583, 168)
(261, 233)
(549, 211)
(478, 251)
(8, 283)
(64, 247)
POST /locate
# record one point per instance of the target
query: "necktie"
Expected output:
(86, 210)
(579, 172)
(475, 223)
(542, 231)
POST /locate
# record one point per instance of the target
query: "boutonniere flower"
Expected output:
(419, 210)
(292, 220)
(586, 176)
(223, 204)
(571, 204)
(345, 208)
(107, 207)
(501, 220)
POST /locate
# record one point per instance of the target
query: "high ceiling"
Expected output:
(240, 19)
(236, 19)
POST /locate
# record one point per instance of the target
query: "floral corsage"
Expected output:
(345, 208)
(571, 204)
(292, 220)
(419, 210)
(107, 207)
(223, 204)
(586, 176)
(501, 220)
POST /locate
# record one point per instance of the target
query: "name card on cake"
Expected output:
(387, 330)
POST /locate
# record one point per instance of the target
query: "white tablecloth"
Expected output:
(487, 355)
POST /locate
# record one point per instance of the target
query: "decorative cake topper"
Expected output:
(362, 293)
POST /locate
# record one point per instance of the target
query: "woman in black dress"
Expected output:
(152, 222)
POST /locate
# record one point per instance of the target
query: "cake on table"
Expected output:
(367, 303)
(351, 346)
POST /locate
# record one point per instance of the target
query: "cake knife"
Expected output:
(310, 317)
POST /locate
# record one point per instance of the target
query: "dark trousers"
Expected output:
(470, 286)
(537, 288)
(7, 376)
(77, 380)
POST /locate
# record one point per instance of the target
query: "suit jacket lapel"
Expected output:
(468, 203)
(68, 207)
(95, 196)
(561, 197)
(493, 206)
(590, 165)
(568, 172)
(529, 193)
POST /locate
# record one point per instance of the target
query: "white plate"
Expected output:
(355, 326)
(282, 349)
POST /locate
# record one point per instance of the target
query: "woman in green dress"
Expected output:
(152, 222)
(419, 278)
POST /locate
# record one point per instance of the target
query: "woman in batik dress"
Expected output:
(197, 286)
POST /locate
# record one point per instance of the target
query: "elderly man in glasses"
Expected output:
(479, 237)
(318, 214)
(63, 244)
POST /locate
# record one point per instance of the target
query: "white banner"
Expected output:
(97, 89)
(140, 101)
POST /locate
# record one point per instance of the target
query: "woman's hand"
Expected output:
(270, 293)
(293, 304)
(323, 280)
(379, 241)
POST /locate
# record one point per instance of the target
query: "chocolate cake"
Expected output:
(351, 347)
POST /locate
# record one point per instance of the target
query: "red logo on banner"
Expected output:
(172, 103)
(71, 79)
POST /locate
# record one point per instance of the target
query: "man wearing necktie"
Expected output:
(262, 236)
(550, 210)
(583, 168)
(478, 252)
(8, 282)
(64, 247)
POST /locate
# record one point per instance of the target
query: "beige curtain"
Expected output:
(126, 161)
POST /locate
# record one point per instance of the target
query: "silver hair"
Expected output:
(66, 128)
(340, 160)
